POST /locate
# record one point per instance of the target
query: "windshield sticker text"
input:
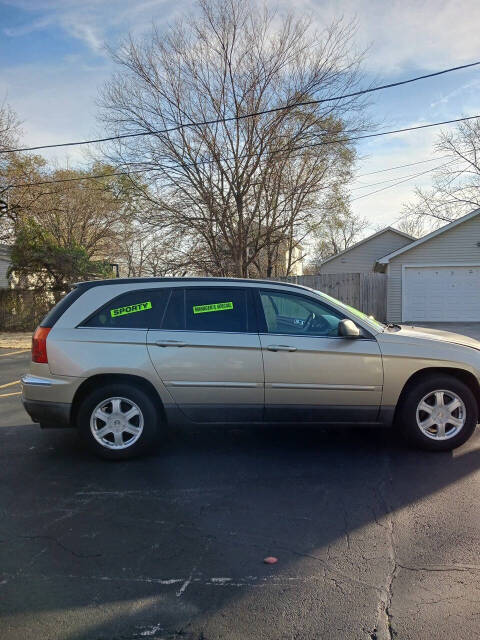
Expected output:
(130, 308)
(217, 306)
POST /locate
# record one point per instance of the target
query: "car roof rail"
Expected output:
(87, 284)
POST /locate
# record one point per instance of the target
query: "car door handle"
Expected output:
(170, 343)
(281, 347)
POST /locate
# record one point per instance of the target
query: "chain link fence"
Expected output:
(23, 310)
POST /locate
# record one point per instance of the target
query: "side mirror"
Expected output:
(348, 329)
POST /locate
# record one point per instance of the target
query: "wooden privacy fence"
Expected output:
(364, 291)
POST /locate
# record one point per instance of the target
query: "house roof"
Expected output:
(367, 239)
(386, 259)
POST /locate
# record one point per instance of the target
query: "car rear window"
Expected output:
(59, 309)
(140, 309)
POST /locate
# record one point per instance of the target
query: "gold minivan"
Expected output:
(119, 359)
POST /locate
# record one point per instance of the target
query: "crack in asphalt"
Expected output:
(443, 568)
(391, 579)
(383, 629)
(62, 546)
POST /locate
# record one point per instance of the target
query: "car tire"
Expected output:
(105, 426)
(426, 407)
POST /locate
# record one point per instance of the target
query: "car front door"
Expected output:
(311, 373)
(208, 354)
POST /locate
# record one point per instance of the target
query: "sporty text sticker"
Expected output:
(217, 306)
(131, 308)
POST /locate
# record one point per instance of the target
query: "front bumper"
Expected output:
(54, 415)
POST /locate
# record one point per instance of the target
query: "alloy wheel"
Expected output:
(441, 414)
(116, 423)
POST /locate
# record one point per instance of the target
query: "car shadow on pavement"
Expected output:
(172, 545)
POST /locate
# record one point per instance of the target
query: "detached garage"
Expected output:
(436, 278)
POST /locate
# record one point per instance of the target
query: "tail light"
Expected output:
(39, 345)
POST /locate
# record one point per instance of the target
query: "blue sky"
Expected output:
(53, 61)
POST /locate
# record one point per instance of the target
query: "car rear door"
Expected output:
(312, 374)
(208, 354)
(112, 339)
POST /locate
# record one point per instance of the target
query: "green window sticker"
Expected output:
(131, 308)
(217, 306)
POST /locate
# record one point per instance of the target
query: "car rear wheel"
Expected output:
(439, 413)
(118, 421)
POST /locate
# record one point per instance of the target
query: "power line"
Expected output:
(210, 161)
(374, 184)
(146, 170)
(416, 175)
(386, 133)
(406, 215)
(246, 115)
(402, 166)
(79, 178)
(135, 171)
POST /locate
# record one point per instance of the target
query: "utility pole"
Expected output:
(115, 266)
(4, 201)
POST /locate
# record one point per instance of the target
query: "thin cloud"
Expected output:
(91, 22)
(406, 33)
(400, 33)
(85, 32)
(25, 29)
(455, 93)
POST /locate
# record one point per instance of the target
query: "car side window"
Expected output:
(142, 309)
(216, 309)
(287, 313)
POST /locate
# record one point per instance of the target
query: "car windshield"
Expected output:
(379, 326)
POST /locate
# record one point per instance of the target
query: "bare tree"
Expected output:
(87, 212)
(9, 132)
(337, 230)
(146, 251)
(456, 184)
(76, 210)
(83, 220)
(9, 127)
(237, 189)
(415, 226)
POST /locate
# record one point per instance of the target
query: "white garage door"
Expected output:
(441, 294)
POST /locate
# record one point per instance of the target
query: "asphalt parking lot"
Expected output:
(373, 540)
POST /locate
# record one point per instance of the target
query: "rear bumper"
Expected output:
(54, 415)
(48, 398)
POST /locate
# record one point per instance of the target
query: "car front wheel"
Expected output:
(439, 413)
(118, 421)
